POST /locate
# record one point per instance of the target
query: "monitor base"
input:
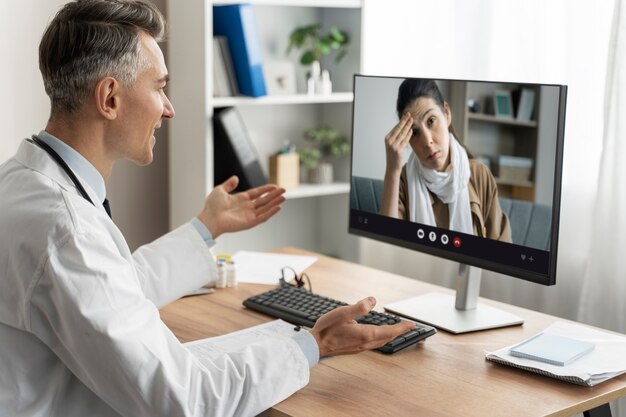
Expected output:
(438, 309)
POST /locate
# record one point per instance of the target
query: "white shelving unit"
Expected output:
(488, 135)
(314, 216)
(312, 190)
(493, 119)
(300, 3)
(286, 99)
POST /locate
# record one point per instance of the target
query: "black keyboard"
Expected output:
(301, 307)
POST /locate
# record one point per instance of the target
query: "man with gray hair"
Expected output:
(80, 333)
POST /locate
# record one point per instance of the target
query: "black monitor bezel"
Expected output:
(549, 278)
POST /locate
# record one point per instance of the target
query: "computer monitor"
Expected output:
(471, 174)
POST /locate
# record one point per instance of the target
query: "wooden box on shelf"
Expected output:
(285, 170)
(514, 168)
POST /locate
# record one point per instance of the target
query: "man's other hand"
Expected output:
(224, 212)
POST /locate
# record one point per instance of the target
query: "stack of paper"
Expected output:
(265, 268)
(605, 361)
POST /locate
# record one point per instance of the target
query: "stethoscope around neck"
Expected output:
(43, 145)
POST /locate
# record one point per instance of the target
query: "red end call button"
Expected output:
(456, 242)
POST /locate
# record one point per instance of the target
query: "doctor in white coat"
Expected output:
(80, 333)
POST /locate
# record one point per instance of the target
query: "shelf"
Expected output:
(515, 183)
(309, 218)
(280, 99)
(316, 190)
(493, 119)
(350, 4)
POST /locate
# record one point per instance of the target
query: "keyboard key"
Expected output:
(411, 333)
(395, 342)
(289, 310)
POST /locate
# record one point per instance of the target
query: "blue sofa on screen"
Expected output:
(530, 222)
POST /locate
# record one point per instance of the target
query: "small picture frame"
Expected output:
(280, 77)
(503, 104)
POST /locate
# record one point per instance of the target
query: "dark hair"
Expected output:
(413, 88)
(91, 39)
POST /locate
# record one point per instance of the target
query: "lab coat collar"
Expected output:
(78, 163)
(35, 158)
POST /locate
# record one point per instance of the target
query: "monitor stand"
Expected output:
(461, 315)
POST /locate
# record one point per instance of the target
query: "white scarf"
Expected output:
(450, 186)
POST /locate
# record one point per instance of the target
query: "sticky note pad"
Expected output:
(552, 349)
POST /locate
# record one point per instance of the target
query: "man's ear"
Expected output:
(107, 97)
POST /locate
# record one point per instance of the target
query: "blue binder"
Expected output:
(236, 23)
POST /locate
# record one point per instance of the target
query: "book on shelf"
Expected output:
(236, 23)
(228, 65)
(224, 80)
(221, 87)
(234, 152)
(524, 102)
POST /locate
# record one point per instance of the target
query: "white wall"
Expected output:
(138, 195)
(375, 111)
(562, 42)
(24, 107)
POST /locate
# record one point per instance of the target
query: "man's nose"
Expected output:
(168, 109)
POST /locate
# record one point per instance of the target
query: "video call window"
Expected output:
(473, 157)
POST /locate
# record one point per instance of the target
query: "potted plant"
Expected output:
(314, 46)
(325, 144)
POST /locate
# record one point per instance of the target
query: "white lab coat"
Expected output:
(80, 333)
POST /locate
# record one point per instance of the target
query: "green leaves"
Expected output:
(325, 142)
(315, 46)
(310, 157)
(299, 36)
(308, 58)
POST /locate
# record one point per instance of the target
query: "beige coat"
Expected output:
(487, 216)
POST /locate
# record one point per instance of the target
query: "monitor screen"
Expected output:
(462, 169)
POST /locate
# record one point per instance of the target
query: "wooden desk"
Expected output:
(447, 375)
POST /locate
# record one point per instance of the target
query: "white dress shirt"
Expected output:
(80, 332)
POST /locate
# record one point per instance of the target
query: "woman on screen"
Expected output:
(440, 184)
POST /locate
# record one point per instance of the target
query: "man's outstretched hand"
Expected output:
(224, 212)
(337, 333)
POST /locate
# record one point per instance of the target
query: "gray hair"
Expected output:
(91, 39)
